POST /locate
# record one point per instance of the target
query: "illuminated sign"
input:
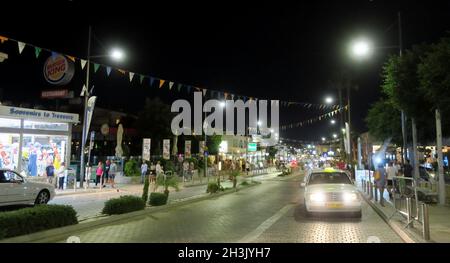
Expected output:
(58, 70)
(252, 147)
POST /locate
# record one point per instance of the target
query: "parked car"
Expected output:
(18, 190)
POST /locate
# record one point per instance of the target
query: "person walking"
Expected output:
(105, 178)
(99, 173)
(380, 181)
(185, 170)
(144, 169)
(112, 173)
(391, 171)
(61, 176)
(50, 171)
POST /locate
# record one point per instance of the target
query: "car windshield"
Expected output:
(329, 178)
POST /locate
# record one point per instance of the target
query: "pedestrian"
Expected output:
(158, 169)
(105, 178)
(144, 168)
(380, 181)
(407, 169)
(112, 173)
(61, 176)
(391, 172)
(191, 169)
(50, 172)
(99, 173)
(185, 169)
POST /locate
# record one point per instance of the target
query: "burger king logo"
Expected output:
(58, 70)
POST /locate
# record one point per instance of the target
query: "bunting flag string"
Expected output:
(211, 93)
(315, 119)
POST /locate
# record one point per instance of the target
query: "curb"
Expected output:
(63, 232)
(398, 230)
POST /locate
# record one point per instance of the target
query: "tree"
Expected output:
(213, 143)
(383, 121)
(154, 122)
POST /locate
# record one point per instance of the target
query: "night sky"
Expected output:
(287, 50)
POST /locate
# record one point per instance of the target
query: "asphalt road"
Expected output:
(270, 212)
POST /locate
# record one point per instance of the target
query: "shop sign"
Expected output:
(25, 113)
(56, 94)
(252, 147)
(166, 149)
(187, 149)
(58, 70)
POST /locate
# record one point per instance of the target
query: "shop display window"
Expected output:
(9, 123)
(9, 150)
(50, 126)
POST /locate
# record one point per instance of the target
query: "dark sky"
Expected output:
(287, 50)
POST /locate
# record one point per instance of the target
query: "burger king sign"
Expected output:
(58, 70)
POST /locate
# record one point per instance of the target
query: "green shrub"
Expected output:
(244, 183)
(157, 199)
(123, 204)
(212, 188)
(34, 219)
(132, 168)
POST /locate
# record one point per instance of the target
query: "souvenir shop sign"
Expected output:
(32, 114)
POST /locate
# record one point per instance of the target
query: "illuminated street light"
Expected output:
(334, 135)
(259, 123)
(361, 48)
(333, 122)
(323, 139)
(117, 54)
(328, 100)
(222, 104)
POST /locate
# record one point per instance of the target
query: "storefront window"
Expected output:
(51, 126)
(39, 151)
(9, 150)
(9, 123)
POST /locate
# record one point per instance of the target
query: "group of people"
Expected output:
(158, 169)
(60, 174)
(106, 173)
(384, 177)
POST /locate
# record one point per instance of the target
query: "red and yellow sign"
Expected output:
(58, 70)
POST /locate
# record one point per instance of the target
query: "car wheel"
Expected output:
(42, 198)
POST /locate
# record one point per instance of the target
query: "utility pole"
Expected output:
(86, 98)
(403, 115)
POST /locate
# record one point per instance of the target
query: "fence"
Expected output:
(405, 201)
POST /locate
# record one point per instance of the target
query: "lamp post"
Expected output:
(115, 54)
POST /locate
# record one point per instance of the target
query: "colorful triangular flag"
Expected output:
(37, 51)
(122, 71)
(204, 92)
(151, 81)
(141, 78)
(179, 86)
(108, 70)
(21, 46)
(83, 63)
(131, 74)
(3, 39)
(189, 88)
(71, 58)
(96, 67)
(54, 54)
(161, 83)
(170, 85)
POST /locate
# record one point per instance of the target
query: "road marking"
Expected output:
(265, 225)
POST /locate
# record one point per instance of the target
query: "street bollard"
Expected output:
(375, 192)
(425, 222)
(409, 211)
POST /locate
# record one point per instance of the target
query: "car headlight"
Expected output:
(317, 197)
(349, 197)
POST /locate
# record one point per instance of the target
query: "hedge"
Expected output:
(34, 219)
(157, 199)
(212, 188)
(123, 204)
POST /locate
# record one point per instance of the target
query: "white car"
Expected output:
(17, 190)
(331, 190)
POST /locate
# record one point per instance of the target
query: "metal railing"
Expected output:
(404, 199)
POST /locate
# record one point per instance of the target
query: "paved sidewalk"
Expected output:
(439, 217)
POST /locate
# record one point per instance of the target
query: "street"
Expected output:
(270, 212)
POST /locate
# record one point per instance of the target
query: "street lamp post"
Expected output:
(86, 98)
